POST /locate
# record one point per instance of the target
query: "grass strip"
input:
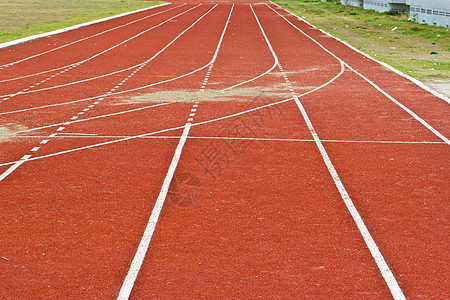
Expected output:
(29, 17)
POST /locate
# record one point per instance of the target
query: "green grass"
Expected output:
(407, 48)
(22, 18)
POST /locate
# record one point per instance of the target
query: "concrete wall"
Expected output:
(357, 3)
(432, 12)
(377, 5)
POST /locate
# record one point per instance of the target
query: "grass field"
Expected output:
(21, 18)
(406, 48)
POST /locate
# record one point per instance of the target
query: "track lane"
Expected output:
(426, 105)
(77, 70)
(72, 54)
(388, 120)
(156, 282)
(89, 37)
(257, 255)
(85, 217)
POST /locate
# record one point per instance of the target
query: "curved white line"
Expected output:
(93, 118)
(105, 95)
(178, 127)
(86, 38)
(266, 72)
(130, 90)
(107, 50)
(406, 109)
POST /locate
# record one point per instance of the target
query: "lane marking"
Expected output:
(138, 259)
(180, 127)
(98, 54)
(14, 166)
(275, 63)
(33, 37)
(96, 136)
(385, 271)
(407, 110)
(417, 82)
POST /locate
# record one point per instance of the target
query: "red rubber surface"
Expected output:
(252, 210)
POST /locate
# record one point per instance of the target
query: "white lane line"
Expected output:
(101, 53)
(128, 283)
(275, 63)
(93, 118)
(373, 248)
(180, 127)
(410, 112)
(77, 134)
(385, 271)
(96, 136)
(138, 259)
(14, 166)
(406, 109)
(33, 37)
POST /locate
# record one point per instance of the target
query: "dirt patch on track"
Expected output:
(237, 94)
(8, 132)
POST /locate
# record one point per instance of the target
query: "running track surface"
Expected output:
(275, 162)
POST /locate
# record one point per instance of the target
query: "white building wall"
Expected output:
(357, 3)
(431, 12)
(377, 5)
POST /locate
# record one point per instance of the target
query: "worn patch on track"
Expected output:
(237, 94)
(7, 132)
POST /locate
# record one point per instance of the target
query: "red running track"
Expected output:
(217, 150)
